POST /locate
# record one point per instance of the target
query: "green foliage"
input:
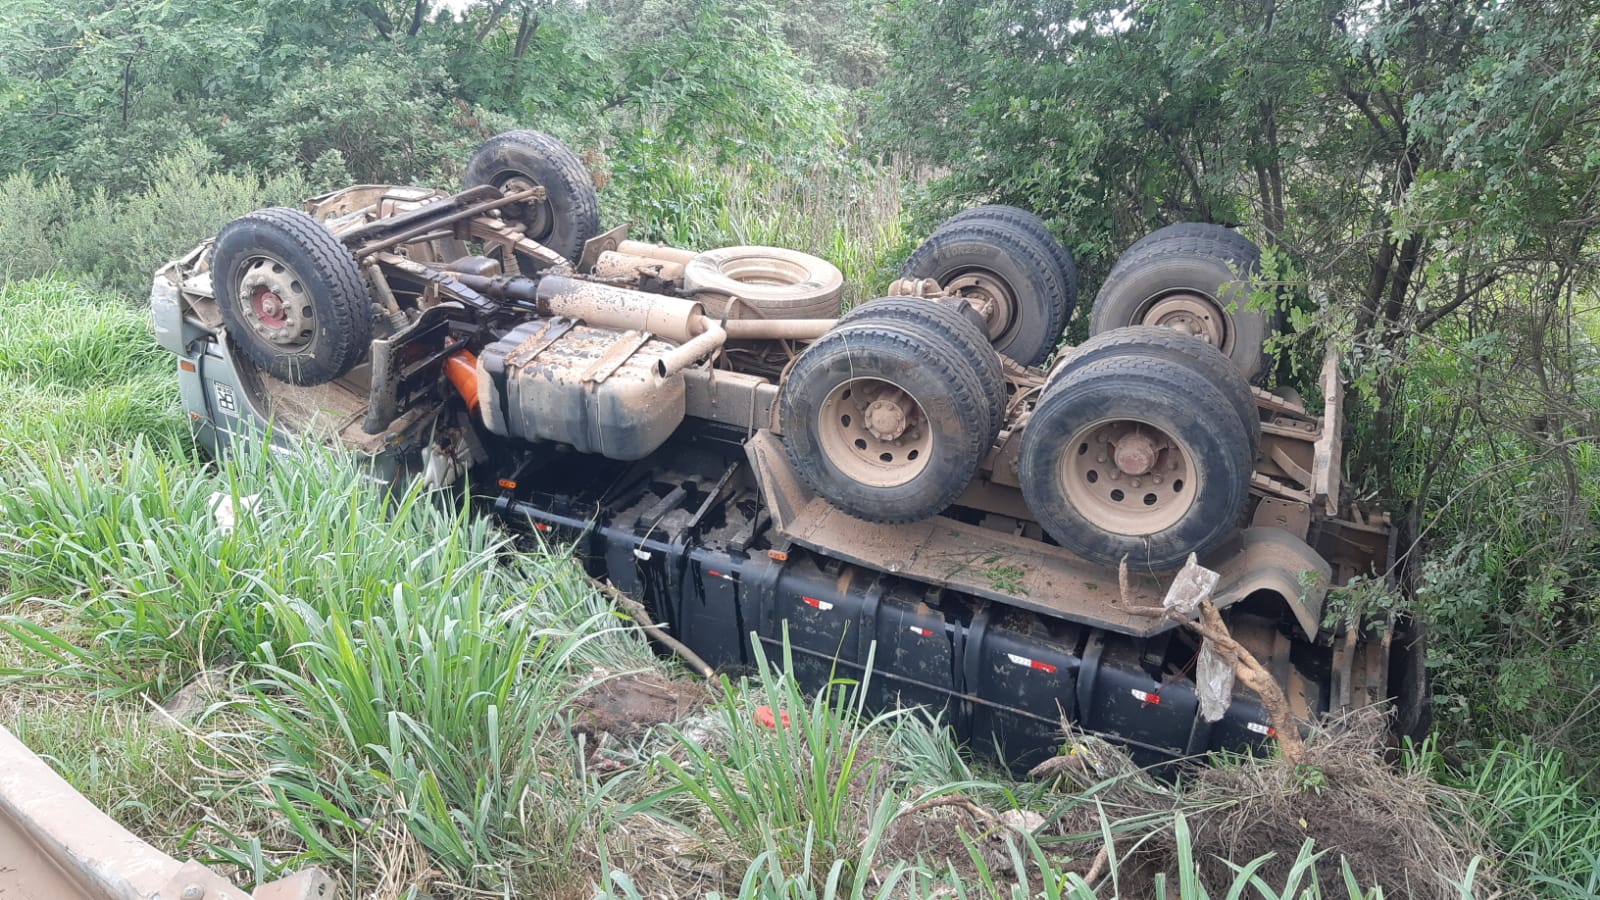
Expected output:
(79, 371)
(1545, 826)
(402, 91)
(118, 242)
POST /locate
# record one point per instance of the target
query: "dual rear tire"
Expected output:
(1140, 448)
(888, 414)
(1196, 279)
(1007, 265)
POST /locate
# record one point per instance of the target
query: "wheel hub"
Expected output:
(991, 296)
(1134, 453)
(1192, 314)
(275, 302)
(269, 306)
(1128, 477)
(886, 419)
(535, 214)
(874, 432)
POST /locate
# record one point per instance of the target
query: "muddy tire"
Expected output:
(770, 282)
(291, 296)
(570, 213)
(1003, 266)
(1034, 227)
(886, 422)
(1136, 457)
(1151, 340)
(953, 326)
(1196, 279)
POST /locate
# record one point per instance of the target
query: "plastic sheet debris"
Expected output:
(1214, 677)
(1190, 587)
(226, 512)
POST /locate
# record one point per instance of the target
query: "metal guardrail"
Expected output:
(56, 845)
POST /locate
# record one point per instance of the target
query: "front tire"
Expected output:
(570, 213)
(291, 296)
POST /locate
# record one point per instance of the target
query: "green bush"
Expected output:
(118, 242)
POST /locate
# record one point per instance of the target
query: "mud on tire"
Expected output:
(997, 262)
(1137, 457)
(570, 213)
(1195, 278)
(291, 296)
(953, 326)
(884, 421)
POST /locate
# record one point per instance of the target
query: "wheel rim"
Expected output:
(275, 303)
(536, 215)
(1129, 477)
(765, 270)
(993, 298)
(874, 432)
(1194, 314)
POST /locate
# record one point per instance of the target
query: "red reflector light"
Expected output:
(777, 556)
(507, 484)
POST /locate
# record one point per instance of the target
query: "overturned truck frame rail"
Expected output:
(55, 845)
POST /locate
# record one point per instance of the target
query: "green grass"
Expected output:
(851, 213)
(1547, 829)
(79, 370)
(398, 688)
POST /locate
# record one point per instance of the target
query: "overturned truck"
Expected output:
(901, 482)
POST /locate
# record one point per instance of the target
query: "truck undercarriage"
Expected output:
(893, 486)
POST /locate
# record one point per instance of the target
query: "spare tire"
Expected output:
(1006, 271)
(570, 213)
(291, 296)
(1135, 457)
(1196, 279)
(770, 282)
(885, 421)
